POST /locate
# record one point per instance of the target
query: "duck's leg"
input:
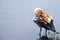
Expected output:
(46, 32)
(40, 32)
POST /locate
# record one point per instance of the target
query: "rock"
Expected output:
(44, 38)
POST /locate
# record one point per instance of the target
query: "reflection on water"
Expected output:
(50, 36)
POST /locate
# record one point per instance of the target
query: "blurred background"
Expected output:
(16, 18)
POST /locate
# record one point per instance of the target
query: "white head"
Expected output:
(38, 11)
